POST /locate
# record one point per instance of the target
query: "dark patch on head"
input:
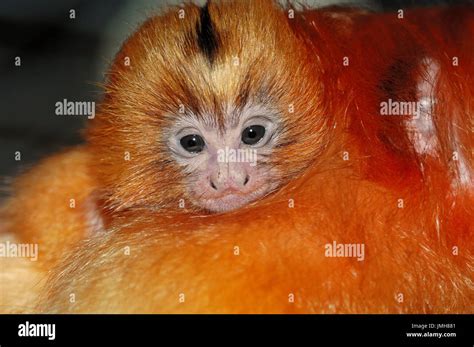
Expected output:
(397, 79)
(207, 37)
(190, 99)
(399, 83)
(244, 94)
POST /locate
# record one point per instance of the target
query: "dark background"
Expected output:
(65, 58)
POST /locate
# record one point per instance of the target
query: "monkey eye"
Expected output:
(192, 143)
(253, 134)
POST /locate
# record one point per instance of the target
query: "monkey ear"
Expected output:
(207, 36)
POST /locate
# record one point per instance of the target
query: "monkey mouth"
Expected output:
(232, 199)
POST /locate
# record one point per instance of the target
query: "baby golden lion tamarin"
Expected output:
(179, 96)
(343, 204)
(193, 94)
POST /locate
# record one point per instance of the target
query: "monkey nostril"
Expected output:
(213, 185)
(247, 178)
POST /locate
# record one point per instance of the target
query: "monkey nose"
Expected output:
(228, 183)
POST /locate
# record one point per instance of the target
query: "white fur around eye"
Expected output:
(177, 149)
(235, 121)
(268, 124)
(184, 125)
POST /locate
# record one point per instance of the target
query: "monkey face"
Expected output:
(227, 167)
(214, 111)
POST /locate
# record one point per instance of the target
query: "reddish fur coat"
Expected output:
(354, 176)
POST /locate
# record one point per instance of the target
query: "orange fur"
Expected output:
(409, 250)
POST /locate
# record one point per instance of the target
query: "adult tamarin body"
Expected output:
(322, 96)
